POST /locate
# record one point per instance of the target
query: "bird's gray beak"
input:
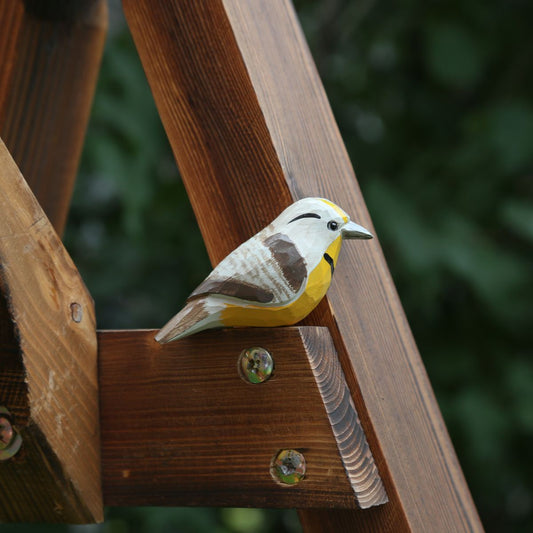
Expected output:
(355, 231)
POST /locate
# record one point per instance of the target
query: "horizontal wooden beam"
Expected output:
(182, 426)
(48, 380)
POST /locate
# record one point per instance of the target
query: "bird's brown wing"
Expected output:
(232, 287)
(267, 271)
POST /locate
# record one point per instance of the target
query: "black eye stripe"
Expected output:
(305, 215)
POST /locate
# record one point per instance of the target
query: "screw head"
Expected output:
(255, 365)
(6, 432)
(76, 312)
(288, 467)
(10, 440)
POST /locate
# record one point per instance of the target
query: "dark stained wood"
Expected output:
(212, 438)
(48, 373)
(216, 127)
(50, 54)
(251, 129)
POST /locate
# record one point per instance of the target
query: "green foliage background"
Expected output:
(434, 101)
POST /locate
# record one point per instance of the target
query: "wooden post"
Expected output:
(48, 373)
(50, 54)
(251, 129)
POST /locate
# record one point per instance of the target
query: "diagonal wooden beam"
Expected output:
(48, 374)
(251, 128)
(50, 54)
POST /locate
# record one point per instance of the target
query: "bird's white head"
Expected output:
(314, 224)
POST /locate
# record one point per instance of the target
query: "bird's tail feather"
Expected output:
(194, 317)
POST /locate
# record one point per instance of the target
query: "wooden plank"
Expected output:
(50, 54)
(212, 439)
(251, 129)
(48, 373)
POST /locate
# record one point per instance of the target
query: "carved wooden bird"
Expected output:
(276, 278)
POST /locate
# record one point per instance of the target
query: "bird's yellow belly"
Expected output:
(260, 316)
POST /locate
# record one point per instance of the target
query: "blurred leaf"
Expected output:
(406, 230)
(517, 215)
(244, 520)
(454, 56)
(519, 380)
(509, 128)
(486, 425)
(498, 277)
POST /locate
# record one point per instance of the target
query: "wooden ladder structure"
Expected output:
(91, 418)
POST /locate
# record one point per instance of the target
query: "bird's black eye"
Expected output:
(332, 225)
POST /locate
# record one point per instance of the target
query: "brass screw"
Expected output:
(255, 365)
(6, 432)
(288, 467)
(10, 440)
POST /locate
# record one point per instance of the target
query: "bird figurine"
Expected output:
(276, 278)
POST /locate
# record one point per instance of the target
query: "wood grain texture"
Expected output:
(252, 130)
(351, 439)
(211, 440)
(50, 54)
(48, 372)
(211, 116)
